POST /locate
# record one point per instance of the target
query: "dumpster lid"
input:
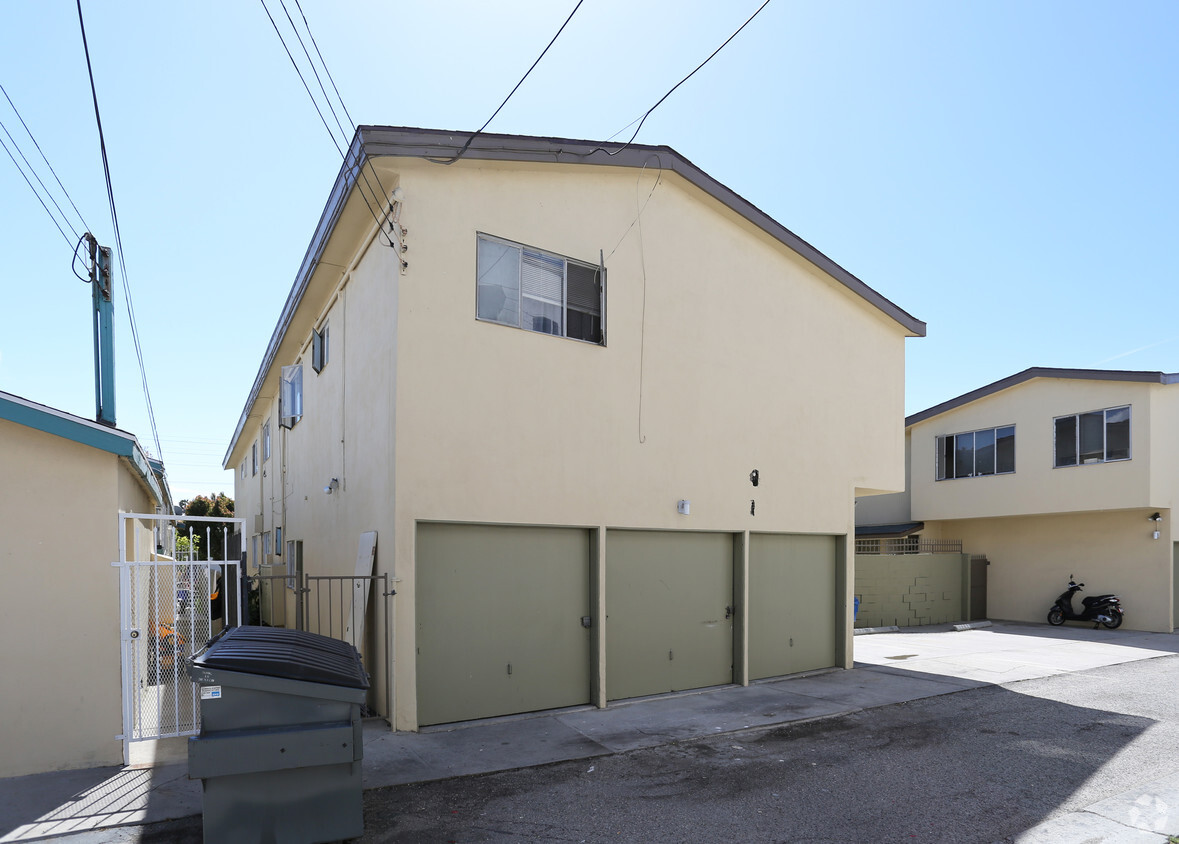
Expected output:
(291, 654)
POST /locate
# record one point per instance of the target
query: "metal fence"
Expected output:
(352, 608)
(908, 545)
(168, 609)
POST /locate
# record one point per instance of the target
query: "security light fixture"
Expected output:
(332, 487)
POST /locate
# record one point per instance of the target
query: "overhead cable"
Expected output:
(678, 84)
(379, 198)
(29, 131)
(65, 236)
(110, 194)
(478, 132)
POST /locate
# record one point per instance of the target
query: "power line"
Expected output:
(65, 236)
(359, 170)
(306, 53)
(29, 131)
(678, 84)
(110, 195)
(315, 44)
(467, 145)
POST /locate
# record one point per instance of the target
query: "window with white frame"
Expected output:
(265, 440)
(1096, 436)
(243, 470)
(539, 291)
(290, 396)
(973, 454)
(319, 349)
(254, 458)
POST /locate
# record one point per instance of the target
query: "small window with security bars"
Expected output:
(539, 291)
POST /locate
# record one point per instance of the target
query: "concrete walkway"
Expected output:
(89, 806)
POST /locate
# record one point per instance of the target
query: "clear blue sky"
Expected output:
(1005, 171)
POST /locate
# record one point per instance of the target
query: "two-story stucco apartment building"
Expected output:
(604, 415)
(1051, 472)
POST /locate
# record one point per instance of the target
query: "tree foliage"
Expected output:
(217, 505)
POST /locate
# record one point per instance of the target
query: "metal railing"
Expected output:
(336, 606)
(908, 545)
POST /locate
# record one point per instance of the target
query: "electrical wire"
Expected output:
(335, 88)
(307, 53)
(110, 194)
(16, 111)
(356, 168)
(315, 44)
(677, 85)
(478, 132)
(38, 178)
(65, 236)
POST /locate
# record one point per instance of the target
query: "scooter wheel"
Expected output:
(1115, 619)
(1056, 617)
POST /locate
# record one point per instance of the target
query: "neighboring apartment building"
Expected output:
(605, 416)
(66, 481)
(1050, 473)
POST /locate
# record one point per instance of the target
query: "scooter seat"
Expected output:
(1096, 599)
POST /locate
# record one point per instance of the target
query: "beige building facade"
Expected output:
(69, 480)
(1051, 473)
(602, 413)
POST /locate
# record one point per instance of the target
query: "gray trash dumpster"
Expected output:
(280, 747)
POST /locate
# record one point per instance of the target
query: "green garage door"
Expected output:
(499, 620)
(668, 611)
(791, 604)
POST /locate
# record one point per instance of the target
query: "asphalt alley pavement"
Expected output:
(115, 805)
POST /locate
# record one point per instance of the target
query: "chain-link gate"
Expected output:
(171, 604)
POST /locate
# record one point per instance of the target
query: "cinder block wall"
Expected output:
(910, 590)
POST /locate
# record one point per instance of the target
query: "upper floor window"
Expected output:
(539, 291)
(290, 396)
(243, 470)
(1096, 436)
(266, 441)
(319, 349)
(990, 451)
(254, 458)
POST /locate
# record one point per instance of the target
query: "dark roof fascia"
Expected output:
(441, 145)
(58, 423)
(1042, 372)
(896, 531)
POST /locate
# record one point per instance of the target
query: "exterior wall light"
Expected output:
(1156, 518)
(683, 507)
(332, 487)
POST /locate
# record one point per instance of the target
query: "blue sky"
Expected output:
(1004, 171)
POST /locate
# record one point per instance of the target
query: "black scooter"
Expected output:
(1100, 609)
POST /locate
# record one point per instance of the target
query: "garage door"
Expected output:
(499, 627)
(792, 611)
(668, 611)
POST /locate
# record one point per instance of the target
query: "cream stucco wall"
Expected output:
(1032, 557)
(1035, 486)
(61, 705)
(888, 508)
(726, 352)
